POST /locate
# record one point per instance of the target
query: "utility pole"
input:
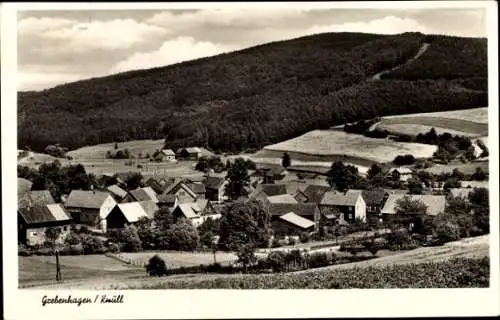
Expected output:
(58, 267)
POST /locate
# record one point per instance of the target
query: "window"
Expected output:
(350, 216)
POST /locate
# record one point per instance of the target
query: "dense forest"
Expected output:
(265, 94)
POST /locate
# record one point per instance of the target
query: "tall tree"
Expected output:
(238, 178)
(285, 160)
(343, 177)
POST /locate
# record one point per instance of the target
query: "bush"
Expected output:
(277, 261)
(156, 266)
(447, 231)
(92, 245)
(276, 243)
(319, 259)
(72, 238)
(24, 252)
(291, 241)
(304, 237)
(114, 248)
(404, 160)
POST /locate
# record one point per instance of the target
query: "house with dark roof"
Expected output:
(374, 200)
(198, 188)
(350, 205)
(90, 207)
(34, 221)
(435, 204)
(272, 174)
(35, 198)
(124, 214)
(168, 201)
(143, 194)
(181, 190)
(155, 185)
(23, 186)
(315, 193)
(401, 173)
(118, 193)
(196, 212)
(291, 224)
(215, 188)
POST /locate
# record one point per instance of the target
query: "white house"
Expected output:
(168, 154)
(90, 207)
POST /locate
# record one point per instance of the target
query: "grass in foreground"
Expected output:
(454, 273)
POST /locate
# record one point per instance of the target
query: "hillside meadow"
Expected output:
(332, 145)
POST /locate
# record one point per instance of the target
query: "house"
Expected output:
(272, 174)
(168, 154)
(291, 224)
(306, 210)
(435, 204)
(197, 212)
(168, 201)
(262, 191)
(182, 191)
(282, 198)
(90, 207)
(315, 193)
(118, 193)
(23, 186)
(143, 194)
(374, 200)
(128, 213)
(34, 221)
(350, 205)
(192, 153)
(401, 173)
(198, 188)
(154, 184)
(35, 198)
(215, 188)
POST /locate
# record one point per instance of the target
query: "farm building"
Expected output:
(374, 200)
(168, 201)
(272, 174)
(402, 173)
(168, 154)
(143, 194)
(215, 188)
(118, 193)
(282, 198)
(291, 224)
(192, 153)
(182, 191)
(351, 204)
(435, 204)
(315, 193)
(307, 210)
(23, 186)
(128, 213)
(90, 207)
(34, 221)
(35, 198)
(198, 188)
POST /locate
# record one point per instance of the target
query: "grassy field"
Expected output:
(415, 261)
(175, 259)
(469, 122)
(467, 168)
(332, 145)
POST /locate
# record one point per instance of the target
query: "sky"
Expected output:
(56, 47)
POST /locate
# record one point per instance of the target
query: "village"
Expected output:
(299, 204)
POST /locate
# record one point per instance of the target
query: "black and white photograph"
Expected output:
(243, 147)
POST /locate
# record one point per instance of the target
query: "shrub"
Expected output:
(92, 245)
(276, 243)
(319, 259)
(291, 241)
(156, 266)
(277, 261)
(304, 237)
(404, 160)
(114, 248)
(72, 238)
(131, 240)
(447, 231)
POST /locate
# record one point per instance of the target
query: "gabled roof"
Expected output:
(168, 152)
(315, 193)
(214, 183)
(144, 194)
(86, 199)
(179, 183)
(272, 189)
(196, 187)
(301, 209)
(187, 210)
(23, 185)
(44, 213)
(117, 191)
(297, 220)
(35, 198)
(133, 211)
(167, 198)
(373, 197)
(334, 198)
(155, 184)
(282, 198)
(190, 150)
(435, 204)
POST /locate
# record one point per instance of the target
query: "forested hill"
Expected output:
(260, 95)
